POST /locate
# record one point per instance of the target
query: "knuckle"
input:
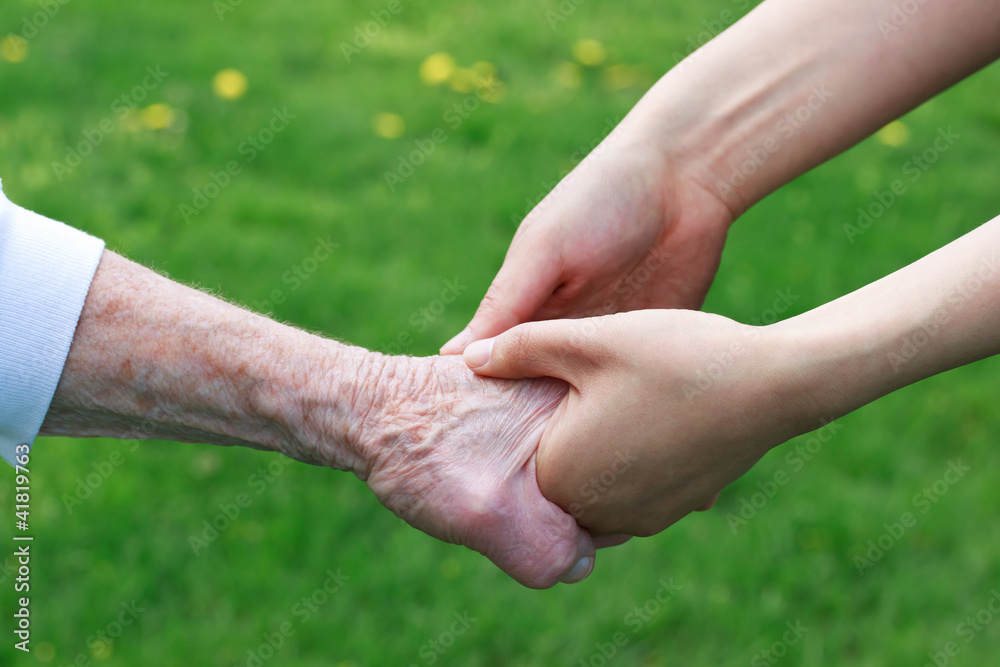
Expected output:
(578, 344)
(517, 344)
(494, 298)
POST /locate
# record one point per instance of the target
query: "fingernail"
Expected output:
(580, 571)
(477, 354)
(457, 344)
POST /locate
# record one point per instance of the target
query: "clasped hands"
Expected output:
(650, 413)
(592, 401)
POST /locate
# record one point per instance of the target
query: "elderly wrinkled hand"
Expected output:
(454, 455)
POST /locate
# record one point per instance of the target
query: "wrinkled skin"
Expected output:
(454, 455)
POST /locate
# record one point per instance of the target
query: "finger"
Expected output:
(556, 557)
(536, 349)
(583, 569)
(539, 544)
(519, 290)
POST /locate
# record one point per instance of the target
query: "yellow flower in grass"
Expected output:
(589, 52)
(437, 69)
(13, 48)
(45, 652)
(157, 116)
(895, 134)
(388, 125)
(229, 84)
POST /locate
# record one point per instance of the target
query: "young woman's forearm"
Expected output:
(796, 82)
(936, 314)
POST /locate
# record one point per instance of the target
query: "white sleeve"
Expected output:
(45, 274)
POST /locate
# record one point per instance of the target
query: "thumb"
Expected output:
(547, 546)
(537, 349)
(519, 290)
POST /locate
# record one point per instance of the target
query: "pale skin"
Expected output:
(641, 223)
(451, 453)
(638, 381)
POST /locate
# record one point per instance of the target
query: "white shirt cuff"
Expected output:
(46, 269)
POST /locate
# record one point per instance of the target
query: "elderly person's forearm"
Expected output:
(155, 359)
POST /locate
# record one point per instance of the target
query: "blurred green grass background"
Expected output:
(323, 176)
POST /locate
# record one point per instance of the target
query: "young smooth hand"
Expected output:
(625, 230)
(665, 408)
